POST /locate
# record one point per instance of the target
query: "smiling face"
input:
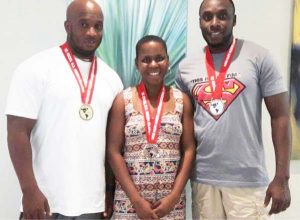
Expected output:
(84, 26)
(217, 20)
(152, 62)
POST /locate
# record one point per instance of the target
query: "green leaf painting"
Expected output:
(126, 21)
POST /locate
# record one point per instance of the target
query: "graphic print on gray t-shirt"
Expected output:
(231, 89)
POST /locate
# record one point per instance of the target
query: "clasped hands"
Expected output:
(155, 210)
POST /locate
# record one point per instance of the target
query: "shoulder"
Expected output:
(126, 93)
(189, 68)
(104, 68)
(45, 56)
(119, 102)
(110, 75)
(178, 94)
(129, 90)
(38, 64)
(256, 54)
(251, 48)
(192, 60)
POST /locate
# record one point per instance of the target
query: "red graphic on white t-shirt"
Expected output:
(231, 89)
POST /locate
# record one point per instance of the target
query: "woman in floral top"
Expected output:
(150, 141)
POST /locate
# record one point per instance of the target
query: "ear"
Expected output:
(67, 26)
(199, 22)
(234, 20)
(168, 61)
(136, 62)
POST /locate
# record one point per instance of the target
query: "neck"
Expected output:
(90, 59)
(153, 91)
(87, 58)
(221, 48)
(80, 54)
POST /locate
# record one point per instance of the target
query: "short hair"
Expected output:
(230, 1)
(149, 38)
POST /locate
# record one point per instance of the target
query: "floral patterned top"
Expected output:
(153, 176)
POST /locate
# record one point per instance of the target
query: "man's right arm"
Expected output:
(35, 204)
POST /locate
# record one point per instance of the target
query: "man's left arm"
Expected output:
(110, 191)
(278, 189)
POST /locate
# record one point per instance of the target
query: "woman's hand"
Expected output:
(144, 210)
(165, 205)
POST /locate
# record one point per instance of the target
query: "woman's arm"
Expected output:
(187, 143)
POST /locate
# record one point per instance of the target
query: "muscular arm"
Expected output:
(115, 142)
(278, 189)
(35, 204)
(187, 144)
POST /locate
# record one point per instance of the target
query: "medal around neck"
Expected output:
(152, 126)
(216, 81)
(86, 91)
(86, 112)
(151, 151)
(216, 107)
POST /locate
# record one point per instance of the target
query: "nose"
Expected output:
(92, 32)
(215, 23)
(153, 63)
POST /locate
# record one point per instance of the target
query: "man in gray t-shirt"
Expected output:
(227, 83)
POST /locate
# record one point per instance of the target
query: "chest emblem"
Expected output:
(230, 91)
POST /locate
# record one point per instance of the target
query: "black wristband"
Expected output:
(110, 188)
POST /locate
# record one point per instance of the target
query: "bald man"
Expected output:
(56, 120)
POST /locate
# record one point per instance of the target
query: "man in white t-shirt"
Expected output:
(56, 111)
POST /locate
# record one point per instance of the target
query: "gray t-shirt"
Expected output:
(229, 146)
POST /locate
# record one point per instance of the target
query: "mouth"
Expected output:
(216, 34)
(91, 42)
(156, 73)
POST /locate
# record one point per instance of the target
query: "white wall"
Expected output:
(28, 26)
(32, 25)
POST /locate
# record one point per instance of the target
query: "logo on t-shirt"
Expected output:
(231, 89)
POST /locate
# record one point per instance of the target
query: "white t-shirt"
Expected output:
(68, 152)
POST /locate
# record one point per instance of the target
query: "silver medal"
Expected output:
(151, 150)
(216, 107)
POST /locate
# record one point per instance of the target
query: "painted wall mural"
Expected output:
(295, 82)
(126, 21)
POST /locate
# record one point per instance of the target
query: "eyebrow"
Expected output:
(223, 11)
(219, 11)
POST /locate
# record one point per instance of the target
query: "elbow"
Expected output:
(109, 155)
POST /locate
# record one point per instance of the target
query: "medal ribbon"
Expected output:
(216, 83)
(87, 90)
(152, 126)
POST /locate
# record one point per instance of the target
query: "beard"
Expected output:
(223, 44)
(77, 50)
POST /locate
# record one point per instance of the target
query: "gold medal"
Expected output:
(86, 112)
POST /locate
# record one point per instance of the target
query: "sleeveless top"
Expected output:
(153, 176)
